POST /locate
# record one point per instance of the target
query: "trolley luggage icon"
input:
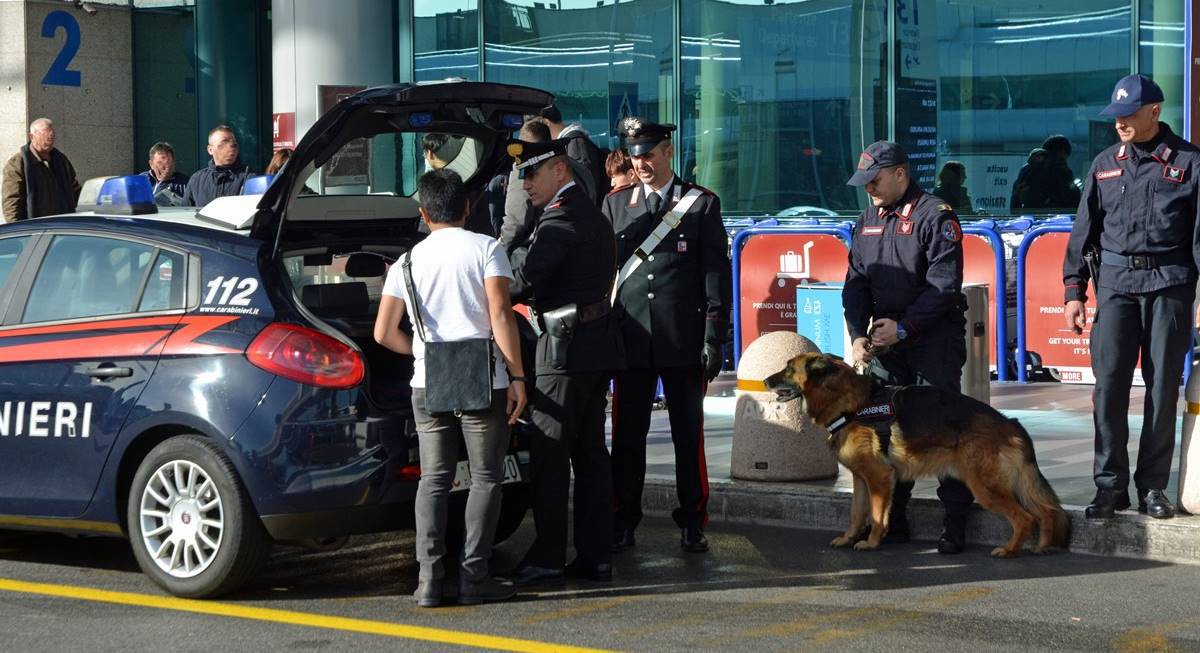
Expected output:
(795, 266)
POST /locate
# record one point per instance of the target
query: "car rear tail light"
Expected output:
(305, 355)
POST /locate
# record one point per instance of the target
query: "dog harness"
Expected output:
(879, 413)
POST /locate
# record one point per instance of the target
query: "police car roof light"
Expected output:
(420, 119)
(131, 195)
(257, 185)
(513, 121)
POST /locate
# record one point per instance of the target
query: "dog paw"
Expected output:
(1002, 552)
(841, 542)
(865, 545)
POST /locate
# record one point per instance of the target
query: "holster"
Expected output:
(1091, 258)
(559, 325)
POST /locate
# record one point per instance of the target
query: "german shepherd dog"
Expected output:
(927, 432)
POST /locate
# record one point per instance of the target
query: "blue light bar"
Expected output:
(420, 119)
(130, 195)
(513, 121)
(257, 185)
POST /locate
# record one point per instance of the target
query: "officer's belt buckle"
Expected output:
(1141, 262)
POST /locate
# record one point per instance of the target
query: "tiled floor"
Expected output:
(1057, 416)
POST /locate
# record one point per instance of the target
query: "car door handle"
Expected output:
(109, 371)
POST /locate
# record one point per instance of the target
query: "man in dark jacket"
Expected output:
(581, 149)
(168, 183)
(225, 173)
(566, 272)
(38, 180)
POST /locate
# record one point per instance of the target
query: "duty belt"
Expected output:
(585, 314)
(1145, 261)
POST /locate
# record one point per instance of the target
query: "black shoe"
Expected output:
(692, 540)
(488, 590)
(586, 571)
(428, 594)
(622, 539)
(527, 575)
(1155, 504)
(897, 533)
(1106, 503)
(954, 533)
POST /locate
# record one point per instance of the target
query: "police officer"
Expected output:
(673, 289)
(566, 272)
(1138, 213)
(904, 306)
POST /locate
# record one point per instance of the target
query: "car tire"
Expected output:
(193, 529)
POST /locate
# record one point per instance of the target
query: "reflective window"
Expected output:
(166, 283)
(10, 251)
(391, 164)
(779, 99)
(602, 62)
(85, 276)
(1009, 77)
(445, 39)
(1161, 55)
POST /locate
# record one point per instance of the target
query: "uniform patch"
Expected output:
(945, 208)
(1173, 174)
(951, 231)
(1109, 174)
(872, 231)
(905, 228)
(681, 246)
(865, 161)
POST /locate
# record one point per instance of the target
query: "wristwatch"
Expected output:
(900, 332)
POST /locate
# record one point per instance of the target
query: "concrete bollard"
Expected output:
(775, 441)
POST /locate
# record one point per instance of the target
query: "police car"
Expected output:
(206, 382)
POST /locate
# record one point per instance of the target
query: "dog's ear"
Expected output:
(819, 366)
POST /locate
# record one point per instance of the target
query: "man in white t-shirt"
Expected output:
(461, 280)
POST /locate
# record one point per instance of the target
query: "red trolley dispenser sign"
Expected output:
(983, 263)
(1041, 310)
(770, 263)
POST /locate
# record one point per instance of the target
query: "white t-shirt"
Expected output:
(448, 269)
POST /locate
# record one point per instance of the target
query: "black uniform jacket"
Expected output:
(1138, 203)
(571, 259)
(906, 263)
(680, 295)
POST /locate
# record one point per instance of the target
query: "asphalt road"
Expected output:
(759, 589)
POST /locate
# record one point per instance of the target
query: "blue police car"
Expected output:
(205, 382)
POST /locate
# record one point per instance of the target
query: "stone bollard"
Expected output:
(775, 441)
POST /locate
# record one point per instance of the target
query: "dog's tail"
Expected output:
(1035, 494)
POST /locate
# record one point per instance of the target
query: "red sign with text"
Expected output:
(283, 131)
(772, 266)
(979, 266)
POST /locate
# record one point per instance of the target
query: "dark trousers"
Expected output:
(568, 415)
(1156, 325)
(933, 358)
(633, 396)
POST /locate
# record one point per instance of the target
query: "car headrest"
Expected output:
(363, 264)
(331, 298)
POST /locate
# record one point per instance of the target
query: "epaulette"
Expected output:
(700, 188)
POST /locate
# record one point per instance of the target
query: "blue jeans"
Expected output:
(486, 434)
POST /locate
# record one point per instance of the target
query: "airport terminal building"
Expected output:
(774, 98)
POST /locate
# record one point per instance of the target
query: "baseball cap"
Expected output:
(877, 156)
(1132, 93)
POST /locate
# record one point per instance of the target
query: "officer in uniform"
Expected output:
(673, 290)
(1138, 218)
(904, 306)
(565, 273)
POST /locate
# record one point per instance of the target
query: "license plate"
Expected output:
(462, 475)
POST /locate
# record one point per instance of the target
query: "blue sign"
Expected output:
(58, 74)
(819, 317)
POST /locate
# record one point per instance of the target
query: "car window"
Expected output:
(164, 288)
(10, 251)
(391, 164)
(88, 276)
(308, 273)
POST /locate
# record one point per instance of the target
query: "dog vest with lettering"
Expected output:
(879, 413)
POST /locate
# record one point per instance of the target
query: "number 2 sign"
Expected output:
(58, 74)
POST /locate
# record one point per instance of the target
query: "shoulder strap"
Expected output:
(406, 268)
(670, 220)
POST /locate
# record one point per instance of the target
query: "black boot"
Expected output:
(954, 530)
(897, 532)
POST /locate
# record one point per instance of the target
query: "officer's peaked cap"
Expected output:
(642, 135)
(528, 156)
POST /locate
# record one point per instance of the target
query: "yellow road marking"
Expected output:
(305, 619)
(1149, 639)
(578, 610)
(714, 616)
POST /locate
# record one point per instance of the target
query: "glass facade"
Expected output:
(775, 98)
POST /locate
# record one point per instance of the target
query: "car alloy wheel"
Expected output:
(182, 518)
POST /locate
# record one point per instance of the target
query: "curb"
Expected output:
(792, 505)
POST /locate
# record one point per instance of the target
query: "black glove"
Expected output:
(712, 360)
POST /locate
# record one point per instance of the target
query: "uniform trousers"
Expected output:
(633, 396)
(1157, 326)
(568, 416)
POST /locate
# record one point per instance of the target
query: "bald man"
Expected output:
(38, 180)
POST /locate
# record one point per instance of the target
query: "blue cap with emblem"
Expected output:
(1132, 93)
(641, 136)
(877, 156)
